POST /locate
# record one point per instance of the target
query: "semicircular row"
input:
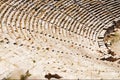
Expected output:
(83, 22)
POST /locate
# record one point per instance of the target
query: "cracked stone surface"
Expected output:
(61, 37)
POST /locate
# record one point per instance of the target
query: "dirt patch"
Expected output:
(116, 47)
(113, 41)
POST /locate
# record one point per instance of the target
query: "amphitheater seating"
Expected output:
(88, 20)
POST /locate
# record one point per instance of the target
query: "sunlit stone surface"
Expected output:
(63, 37)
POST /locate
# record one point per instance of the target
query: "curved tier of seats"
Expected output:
(83, 22)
